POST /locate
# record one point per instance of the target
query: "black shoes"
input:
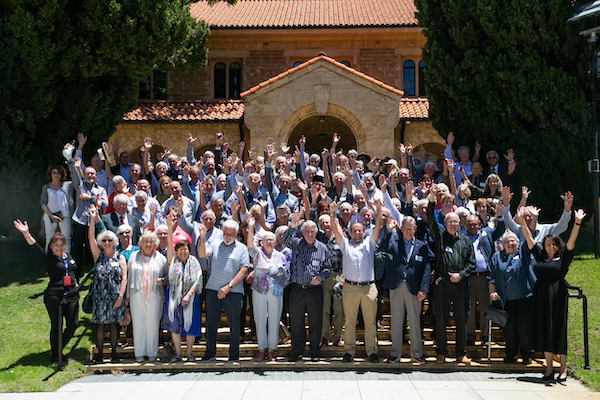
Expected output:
(348, 357)
(373, 358)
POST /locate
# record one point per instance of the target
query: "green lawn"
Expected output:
(24, 344)
(25, 362)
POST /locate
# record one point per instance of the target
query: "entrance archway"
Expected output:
(319, 131)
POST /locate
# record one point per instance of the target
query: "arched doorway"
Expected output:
(319, 130)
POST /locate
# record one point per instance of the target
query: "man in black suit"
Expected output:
(120, 217)
(506, 172)
(407, 278)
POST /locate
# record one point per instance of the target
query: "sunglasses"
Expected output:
(106, 240)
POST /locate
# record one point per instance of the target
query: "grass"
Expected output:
(25, 364)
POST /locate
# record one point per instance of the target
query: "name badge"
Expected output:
(449, 249)
(316, 263)
(418, 258)
(115, 264)
(516, 257)
(483, 233)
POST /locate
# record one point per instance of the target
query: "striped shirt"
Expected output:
(307, 261)
(226, 262)
(359, 258)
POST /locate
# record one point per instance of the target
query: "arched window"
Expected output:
(422, 91)
(220, 81)
(297, 63)
(409, 78)
(235, 80)
(346, 63)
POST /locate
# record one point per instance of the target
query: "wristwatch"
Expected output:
(230, 285)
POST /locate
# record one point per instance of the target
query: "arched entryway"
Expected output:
(319, 130)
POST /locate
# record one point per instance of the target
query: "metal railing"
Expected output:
(580, 295)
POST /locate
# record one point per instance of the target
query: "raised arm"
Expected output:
(190, 149)
(170, 220)
(202, 251)
(378, 220)
(335, 227)
(250, 238)
(579, 216)
(94, 217)
(23, 227)
(526, 232)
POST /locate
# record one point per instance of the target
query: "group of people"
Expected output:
(327, 236)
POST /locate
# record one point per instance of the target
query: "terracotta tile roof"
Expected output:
(312, 61)
(252, 14)
(417, 108)
(189, 110)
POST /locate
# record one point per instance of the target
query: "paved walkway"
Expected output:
(309, 385)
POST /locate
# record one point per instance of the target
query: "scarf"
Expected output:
(182, 278)
(146, 278)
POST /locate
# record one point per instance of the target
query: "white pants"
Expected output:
(146, 323)
(267, 307)
(402, 300)
(65, 228)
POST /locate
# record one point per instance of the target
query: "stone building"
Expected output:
(286, 68)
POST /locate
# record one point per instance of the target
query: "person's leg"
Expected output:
(71, 314)
(140, 325)
(314, 308)
(397, 320)
(441, 307)
(524, 322)
(153, 315)
(327, 298)
(483, 301)
(114, 339)
(52, 302)
(176, 343)
(549, 363)
(562, 373)
(189, 345)
(274, 312)
(509, 331)
(65, 228)
(460, 306)
(297, 309)
(100, 341)
(413, 310)
(213, 316)
(233, 306)
(351, 301)
(77, 245)
(368, 304)
(472, 318)
(260, 316)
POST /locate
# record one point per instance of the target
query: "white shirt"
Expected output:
(358, 259)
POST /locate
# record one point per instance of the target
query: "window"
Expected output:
(346, 63)
(155, 87)
(409, 78)
(422, 91)
(220, 81)
(227, 80)
(235, 80)
(297, 63)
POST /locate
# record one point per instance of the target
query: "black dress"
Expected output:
(550, 302)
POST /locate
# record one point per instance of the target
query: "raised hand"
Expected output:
(116, 146)
(225, 148)
(410, 190)
(336, 139)
(251, 153)
(170, 220)
(579, 215)
(82, 139)
(409, 149)
(535, 212)
(251, 222)
(202, 230)
(402, 149)
(297, 220)
(498, 208)
(450, 139)
(21, 226)
(302, 142)
(148, 143)
(525, 192)
(392, 224)
(382, 181)
(506, 195)
(568, 203)
(477, 147)
(301, 185)
(510, 155)
(191, 139)
(284, 147)
(241, 146)
(332, 207)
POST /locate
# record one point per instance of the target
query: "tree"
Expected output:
(74, 66)
(513, 74)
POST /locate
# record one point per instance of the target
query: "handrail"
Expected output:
(580, 295)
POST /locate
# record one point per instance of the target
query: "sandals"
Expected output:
(191, 358)
(175, 358)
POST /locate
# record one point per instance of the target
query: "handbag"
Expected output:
(496, 315)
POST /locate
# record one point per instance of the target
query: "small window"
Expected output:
(409, 78)
(346, 63)
(155, 87)
(422, 91)
(220, 81)
(235, 80)
(297, 63)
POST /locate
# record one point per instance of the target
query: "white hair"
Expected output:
(231, 224)
(121, 197)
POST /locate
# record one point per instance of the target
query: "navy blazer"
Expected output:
(111, 222)
(417, 268)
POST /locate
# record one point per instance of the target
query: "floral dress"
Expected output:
(105, 290)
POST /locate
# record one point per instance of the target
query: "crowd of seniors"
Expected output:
(288, 235)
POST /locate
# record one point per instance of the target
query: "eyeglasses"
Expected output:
(452, 222)
(492, 157)
(107, 240)
(56, 173)
(125, 233)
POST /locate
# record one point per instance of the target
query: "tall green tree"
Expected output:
(513, 74)
(69, 66)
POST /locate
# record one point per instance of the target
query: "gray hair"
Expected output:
(339, 173)
(161, 227)
(464, 148)
(231, 224)
(142, 194)
(312, 169)
(149, 235)
(162, 163)
(308, 224)
(353, 151)
(268, 234)
(117, 180)
(494, 176)
(315, 157)
(494, 152)
(280, 229)
(214, 199)
(507, 235)
(110, 235)
(463, 211)
(323, 216)
(120, 198)
(409, 219)
(123, 228)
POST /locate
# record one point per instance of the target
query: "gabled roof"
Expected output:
(414, 108)
(189, 110)
(253, 14)
(312, 61)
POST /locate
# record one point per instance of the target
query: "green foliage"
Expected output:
(74, 66)
(513, 74)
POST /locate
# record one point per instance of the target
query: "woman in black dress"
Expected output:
(61, 270)
(550, 294)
